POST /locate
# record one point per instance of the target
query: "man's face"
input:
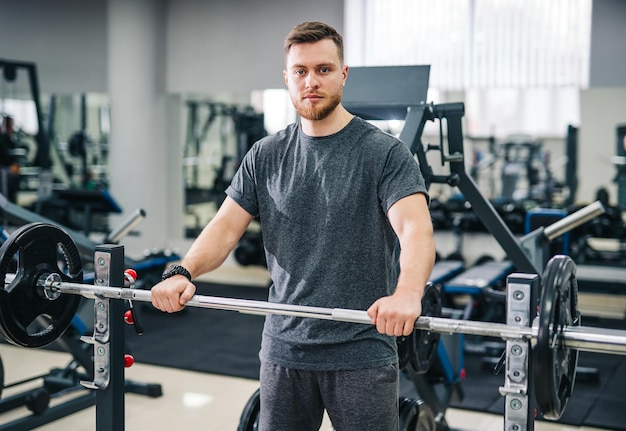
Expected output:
(315, 78)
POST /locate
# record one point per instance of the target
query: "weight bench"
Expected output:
(444, 270)
(92, 206)
(473, 280)
(609, 279)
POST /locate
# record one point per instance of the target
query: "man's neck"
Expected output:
(333, 123)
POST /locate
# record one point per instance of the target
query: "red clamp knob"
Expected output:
(128, 317)
(131, 273)
(128, 361)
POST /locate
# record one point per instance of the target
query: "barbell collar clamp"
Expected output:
(46, 283)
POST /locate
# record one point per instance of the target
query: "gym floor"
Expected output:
(190, 400)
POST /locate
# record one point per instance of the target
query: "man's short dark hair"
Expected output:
(314, 31)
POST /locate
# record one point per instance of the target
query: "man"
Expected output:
(334, 194)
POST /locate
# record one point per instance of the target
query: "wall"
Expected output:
(67, 39)
(608, 52)
(603, 105)
(235, 45)
(217, 45)
(602, 110)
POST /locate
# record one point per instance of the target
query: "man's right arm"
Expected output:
(208, 252)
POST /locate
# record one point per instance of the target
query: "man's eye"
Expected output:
(324, 69)
(299, 72)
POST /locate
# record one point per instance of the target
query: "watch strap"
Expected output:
(176, 270)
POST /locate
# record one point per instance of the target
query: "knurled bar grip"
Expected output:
(577, 337)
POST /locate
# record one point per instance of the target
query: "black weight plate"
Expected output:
(27, 317)
(404, 344)
(249, 419)
(407, 413)
(425, 420)
(423, 344)
(554, 365)
(415, 415)
(1, 377)
(409, 352)
(484, 259)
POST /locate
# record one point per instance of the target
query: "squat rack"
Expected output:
(40, 287)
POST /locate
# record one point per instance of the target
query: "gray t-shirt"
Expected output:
(322, 203)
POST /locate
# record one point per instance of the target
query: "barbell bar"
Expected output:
(53, 283)
(581, 338)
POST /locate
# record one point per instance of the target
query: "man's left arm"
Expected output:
(411, 221)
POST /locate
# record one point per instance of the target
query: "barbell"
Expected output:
(47, 283)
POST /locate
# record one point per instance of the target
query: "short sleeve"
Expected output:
(401, 177)
(243, 188)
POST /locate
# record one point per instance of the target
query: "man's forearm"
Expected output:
(217, 239)
(417, 258)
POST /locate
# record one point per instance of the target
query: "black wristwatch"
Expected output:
(175, 270)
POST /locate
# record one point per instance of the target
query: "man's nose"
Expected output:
(312, 81)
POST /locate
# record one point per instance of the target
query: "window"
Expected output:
(491, 52)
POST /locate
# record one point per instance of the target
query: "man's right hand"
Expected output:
(172, 294)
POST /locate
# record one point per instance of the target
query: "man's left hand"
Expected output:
(396, 314)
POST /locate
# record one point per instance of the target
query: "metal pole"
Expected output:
(110, 408)
(573, 220)
(581, 338)
(127, 225)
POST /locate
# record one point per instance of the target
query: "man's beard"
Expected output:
(320, 111)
